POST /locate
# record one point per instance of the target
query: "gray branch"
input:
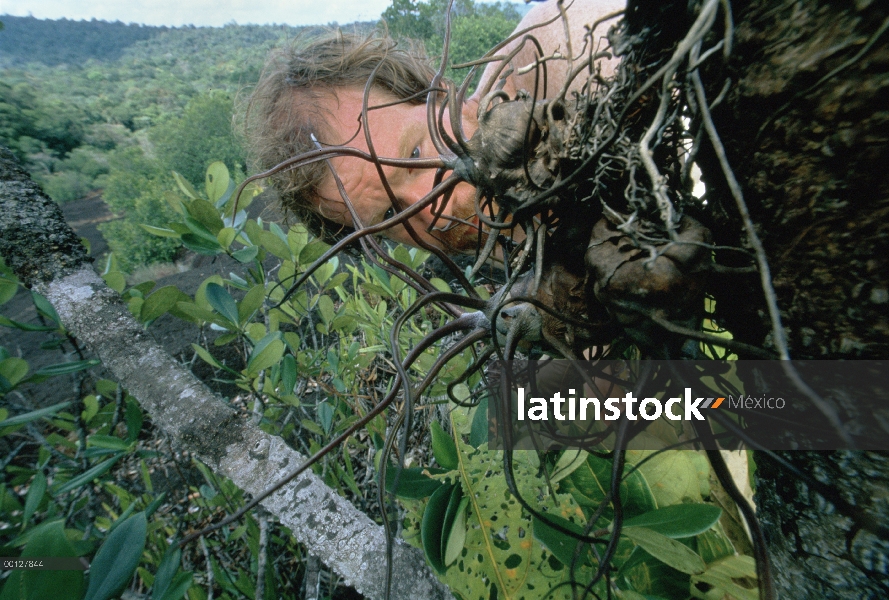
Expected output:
(45, 254)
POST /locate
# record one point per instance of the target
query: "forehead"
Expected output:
(344, 106)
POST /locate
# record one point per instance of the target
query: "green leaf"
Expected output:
(226, 236)
(116, 281)
(13, 369)
(413, 482)
(713, 544)
(478, 434)
(7, 322)
(222, 302)
(288, 374)
(251, 303)
(159, 231)
(216, 181)
(185, 186)
(160, 302)
(206, 214)
(431, 527)
(669, 551)
(34, 415)
(117, 558)
(44, 307)
(456, 539)
(168, 579)
(201, 245)
(107, 441)
(35, 495)
(679, 520)
(589, 483)
(275, 245)
(8, 289)
(561, 545)
(267, 352)
(455, 504)
(297, 238)
(64, 368)
(440, 284)
(47, 539)
(245, 255)
(180, 584)
(443, 448)
(569, 462)
(133, 418)
(87, 476)
(312, 252)
(732, 577)
(325, 307)
(672, 475)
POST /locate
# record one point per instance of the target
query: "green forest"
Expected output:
(90, 105)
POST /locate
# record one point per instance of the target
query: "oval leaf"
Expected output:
(222, 302)
(160, 302)
(117, 558)
(455, 504)
(413, 482)
(217, 181)
(431, 526)
(678, 521)
(266, 353)
(668, 551)
(443, 448)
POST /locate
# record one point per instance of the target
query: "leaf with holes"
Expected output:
(732, 577)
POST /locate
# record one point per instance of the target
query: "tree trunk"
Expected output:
(805, 125)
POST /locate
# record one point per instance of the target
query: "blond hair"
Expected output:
(284, 109)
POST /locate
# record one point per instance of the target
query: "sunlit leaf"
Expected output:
(217, 181)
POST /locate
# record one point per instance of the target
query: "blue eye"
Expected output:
(389, 214)
(416, 152)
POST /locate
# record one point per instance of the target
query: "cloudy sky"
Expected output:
(201, 12)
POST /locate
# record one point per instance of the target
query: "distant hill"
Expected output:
(53, 42)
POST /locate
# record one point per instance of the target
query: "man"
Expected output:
(312, 96)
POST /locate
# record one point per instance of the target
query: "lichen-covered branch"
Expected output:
(45, 254)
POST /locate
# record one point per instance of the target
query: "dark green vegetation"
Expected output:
(89, 105)
(66, 41)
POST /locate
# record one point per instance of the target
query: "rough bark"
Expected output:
(45, 254)
(806, 129)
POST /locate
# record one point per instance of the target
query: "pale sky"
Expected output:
(201, 12)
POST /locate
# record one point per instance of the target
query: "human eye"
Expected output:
(389, 214)
(416, 152)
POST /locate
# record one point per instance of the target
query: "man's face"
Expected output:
(397, 131)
